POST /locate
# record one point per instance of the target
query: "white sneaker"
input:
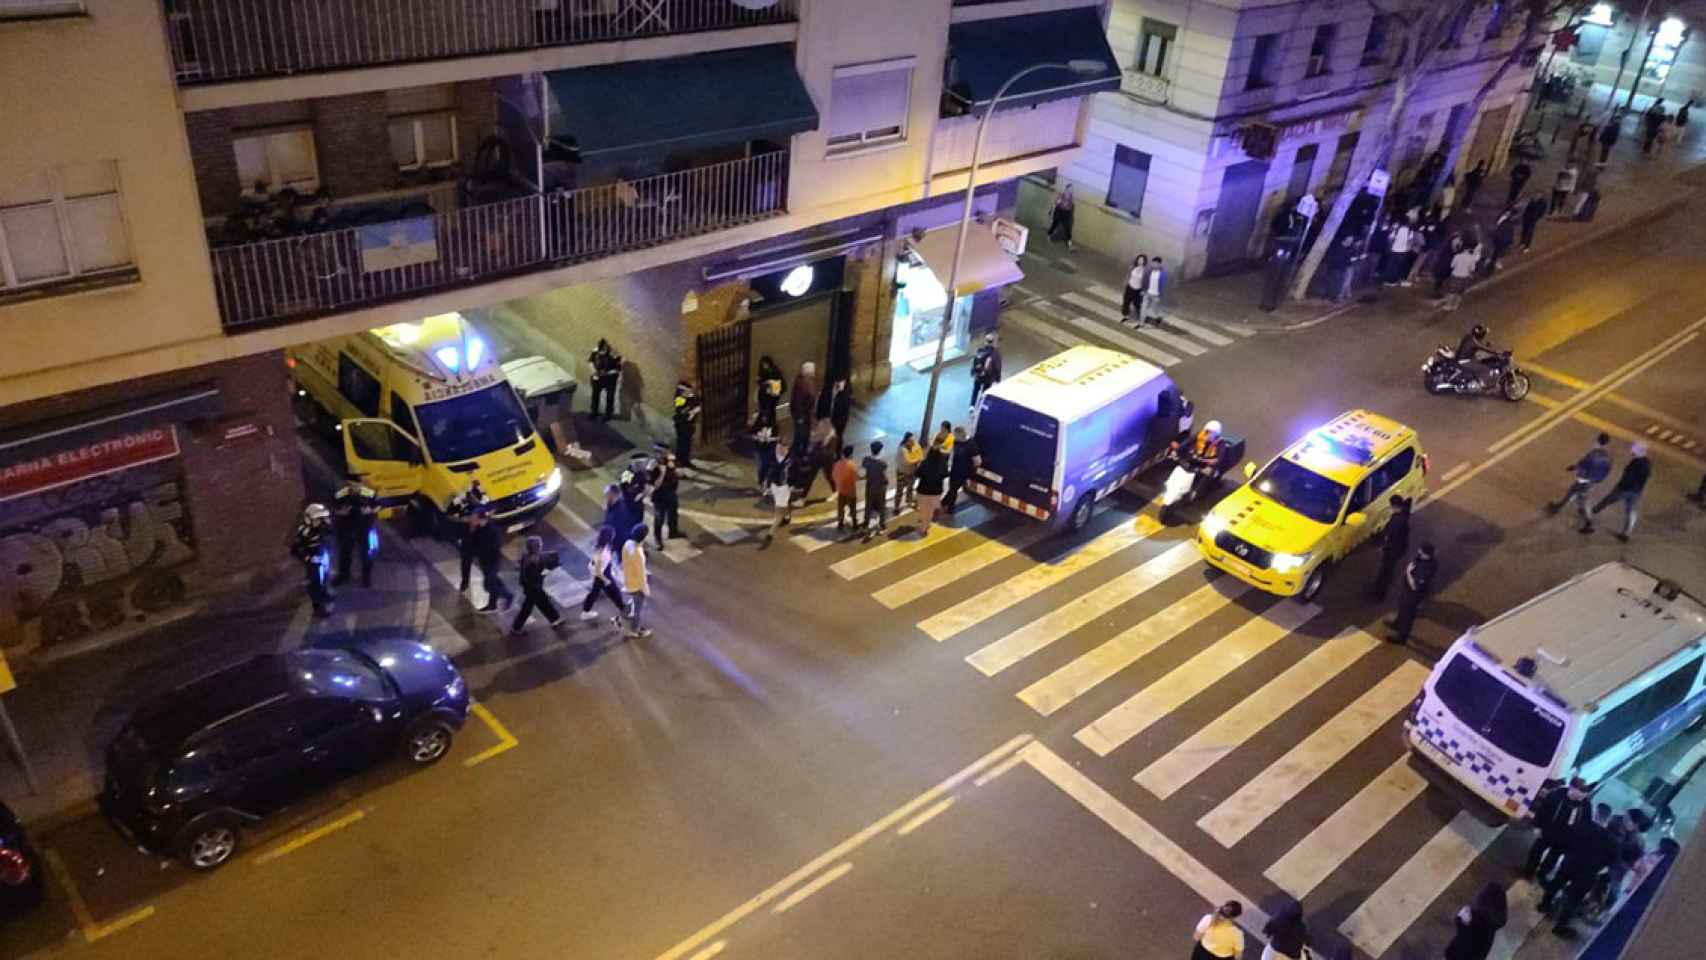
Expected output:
(589, 615)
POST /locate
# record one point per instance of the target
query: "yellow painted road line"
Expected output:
(1130, 645)
(302, 840)
(993, 772)
(1525, 435)
(1329, 845)
(925, 817)
(1413, 887)
(845, 847)
(711, 951)
(975, 610)
(1661, 450)
(1263, 795)
(1616, 399)
(86, 924)
(506, 741)
(1146, 707)
(822, 880)
(1150, 841)
(1057, 623)
(1556, 376)
(1235, 726)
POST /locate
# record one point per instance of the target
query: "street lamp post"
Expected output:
(1081, 67)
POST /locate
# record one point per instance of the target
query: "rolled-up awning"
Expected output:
(681, 103)
(985, 264)
(984, 54)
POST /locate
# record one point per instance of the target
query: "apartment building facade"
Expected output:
(203, 183)
(1169, 167)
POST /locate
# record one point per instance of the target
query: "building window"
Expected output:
(40, 9)
(1130, 180)
(1321, 49)
(1261, 61)
(1374, 45)
(869, 104)
(1152, 46)
(1341, 167)
(276, 160)
(424, 141)
(62, 224)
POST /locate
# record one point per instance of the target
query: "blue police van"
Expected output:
(1071, 430)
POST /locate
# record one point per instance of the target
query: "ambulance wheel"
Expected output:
(1312, 585)
(1081, 513)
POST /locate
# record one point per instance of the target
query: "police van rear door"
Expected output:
(1020, 449)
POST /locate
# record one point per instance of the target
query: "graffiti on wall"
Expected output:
(85, 557)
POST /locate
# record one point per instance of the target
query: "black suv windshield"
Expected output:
(473, 424)
(1504, 717)
(1301, 490)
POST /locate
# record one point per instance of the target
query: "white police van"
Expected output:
(1070, 430)
(1580, 681)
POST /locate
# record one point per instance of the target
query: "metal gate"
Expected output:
(724, 375)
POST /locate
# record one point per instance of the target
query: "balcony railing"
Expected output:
(221, 40)
(294, 278)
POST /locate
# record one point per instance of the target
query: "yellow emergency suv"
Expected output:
(424, 411)
(1314, 503)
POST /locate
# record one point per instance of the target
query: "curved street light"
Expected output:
(1080, 67)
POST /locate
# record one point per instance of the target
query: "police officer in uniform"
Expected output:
(310, 545)
(355, 510)
(606, 371)
(687, 407)
(1418, 583)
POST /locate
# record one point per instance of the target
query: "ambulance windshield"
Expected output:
(474, 424)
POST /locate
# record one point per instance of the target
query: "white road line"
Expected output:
(975, 610)
(818, 883)
(1237, 330)
(1149, 841)
(1129, 646)
(1195, 675)
(1410, 890)
(1199, 331)
(1119, 338)
(724, 529)
(1263, 795)
(680, 551)
(1666, 435)
(1231, 729)
(1653, 430)
(845, 847)
(1106, 292)
(1039, 327)
(1062, 620)
(1522, 899)
(816, 537)
(990, 552)
(1112, 314)
(883, 554)
(1329, 845)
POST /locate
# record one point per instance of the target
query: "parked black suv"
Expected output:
(21, 882)
(192, 767)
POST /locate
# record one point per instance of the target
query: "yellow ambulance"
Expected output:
(424, 410)
(1314, 503)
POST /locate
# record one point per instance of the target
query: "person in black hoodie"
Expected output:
(666, 498)
(486, 545)
(1394, 543)
(771, 386)
(1477, 925)
(1627, 492)
(1554, 814)
(535, 563)
(835, 404)
(962, 463)
(1286, 932)
(932, 475)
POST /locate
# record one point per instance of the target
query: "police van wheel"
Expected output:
(1312, 585)
(1081, 513)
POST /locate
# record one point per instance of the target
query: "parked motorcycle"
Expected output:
(1494, 376)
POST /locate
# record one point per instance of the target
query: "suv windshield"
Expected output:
(1500, 714)
(473, 424)
(1301, 490)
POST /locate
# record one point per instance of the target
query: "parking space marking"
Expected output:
(86, 924)
(847, 846)
(822, 880)
(506, 740)
(304, 839)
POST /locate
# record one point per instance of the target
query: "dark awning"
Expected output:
(984, 54)
(47, 436)
(751, 93)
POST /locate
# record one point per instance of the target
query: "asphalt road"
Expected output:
(803, 763)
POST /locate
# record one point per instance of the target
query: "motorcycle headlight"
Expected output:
(553, 483)
(1287, 562)
(1211, 526)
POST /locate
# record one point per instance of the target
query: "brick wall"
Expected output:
(477, 118)
(870, 275)
(215, 165)
(353, 145)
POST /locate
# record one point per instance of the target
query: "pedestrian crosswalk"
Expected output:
(1092, 313)
(1199, 694)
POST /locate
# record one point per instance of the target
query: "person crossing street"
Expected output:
(602, 568)
(355, 509)
(666, 498)
(876, 471)
(535, 564)
(1593, 467)
(635, 581)
(485, 545)
(1418, 582)
(1627, 492)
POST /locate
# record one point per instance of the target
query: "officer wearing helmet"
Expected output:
(311, 546)
(1206, 455)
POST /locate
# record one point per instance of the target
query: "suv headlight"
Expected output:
(1287, 562)
(1211, 526)
(553, 483)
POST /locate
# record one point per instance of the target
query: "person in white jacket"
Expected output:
(634, 581)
